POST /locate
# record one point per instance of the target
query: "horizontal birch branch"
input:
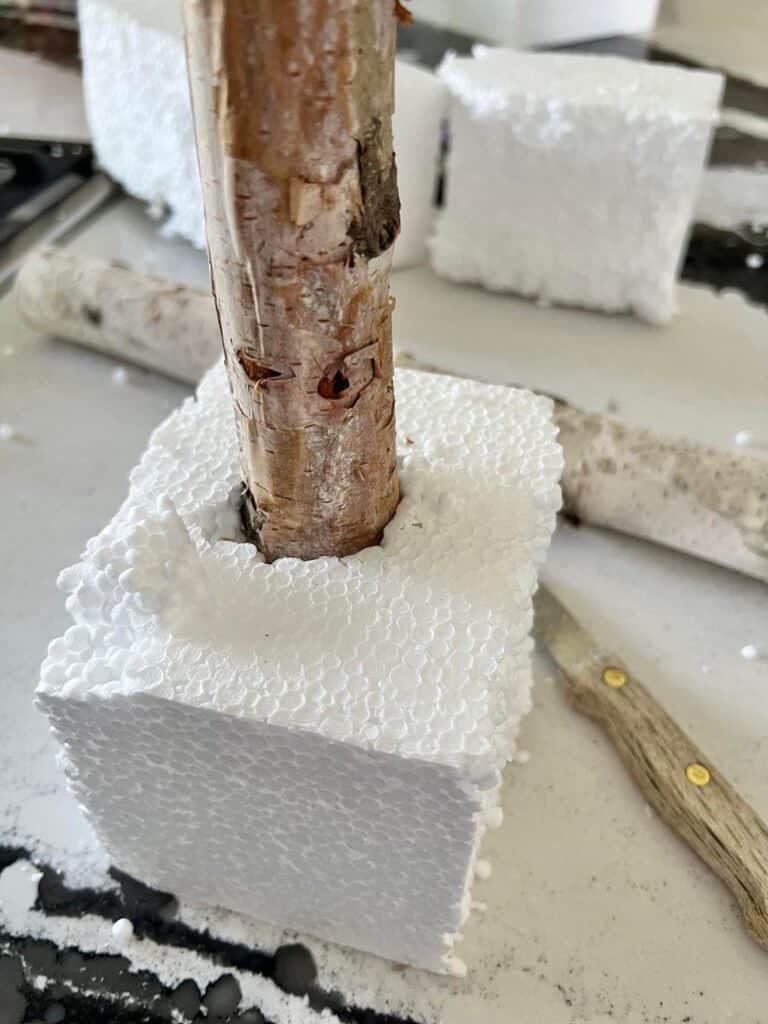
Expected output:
(107, 306)
(685, 495)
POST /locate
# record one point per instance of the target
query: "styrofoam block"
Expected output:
(530, 23)
(572, 178)
(316, 743)
(139, 113)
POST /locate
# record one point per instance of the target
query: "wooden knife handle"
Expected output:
(679, 781)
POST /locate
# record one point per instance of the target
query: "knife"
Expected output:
(675, 776)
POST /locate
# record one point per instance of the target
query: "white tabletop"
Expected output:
(596, 913)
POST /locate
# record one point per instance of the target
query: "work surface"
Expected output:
(596, 912)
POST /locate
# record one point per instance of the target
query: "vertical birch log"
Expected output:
(293, 108)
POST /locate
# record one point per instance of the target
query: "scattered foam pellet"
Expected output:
(747, 439)
(320, 743)
(755, 260)
(483, 869)
(7, 433)
(119, 376)
(522, 757)
(750, 652)
(532, 131)
(494, 817)
(457, 968)
(122, 932)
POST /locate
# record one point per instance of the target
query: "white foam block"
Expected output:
(572, 178)
(530, 23)
(316, 743)
(140, 117)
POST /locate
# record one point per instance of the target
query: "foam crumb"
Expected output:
(483, 869)
(122, 932)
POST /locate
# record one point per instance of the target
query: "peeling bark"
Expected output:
(293, 107)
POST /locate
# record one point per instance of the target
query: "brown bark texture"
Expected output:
(711, 816)
(293, 106)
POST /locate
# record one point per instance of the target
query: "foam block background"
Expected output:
(139, 113)
(316, 743)
(589, 173)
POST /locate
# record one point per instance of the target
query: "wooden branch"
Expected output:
(293, 107)
(109, 307)
(689, 496)
(676, 778)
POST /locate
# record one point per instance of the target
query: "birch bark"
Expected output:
(293, 108)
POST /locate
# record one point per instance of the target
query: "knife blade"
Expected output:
(680, 782)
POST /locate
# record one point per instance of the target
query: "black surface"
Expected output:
(107, 989)
(31, 169)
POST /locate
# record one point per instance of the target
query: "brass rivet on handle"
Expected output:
(697, 774)
(614, 677)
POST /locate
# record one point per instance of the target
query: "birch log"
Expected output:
(109, 307)
(293, 108)
(689, 496)
(697, 499)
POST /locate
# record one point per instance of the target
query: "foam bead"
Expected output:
(573, 178)
(316, 743)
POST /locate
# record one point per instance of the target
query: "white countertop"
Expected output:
(596, 912)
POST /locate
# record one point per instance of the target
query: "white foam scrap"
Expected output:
(18, 892)
(140, 119)
(572, 178)
(318, 743)
(732, 196)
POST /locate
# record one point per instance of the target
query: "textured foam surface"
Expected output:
(139, 112)
(573, 178)
(319, 743)
(141, 119)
